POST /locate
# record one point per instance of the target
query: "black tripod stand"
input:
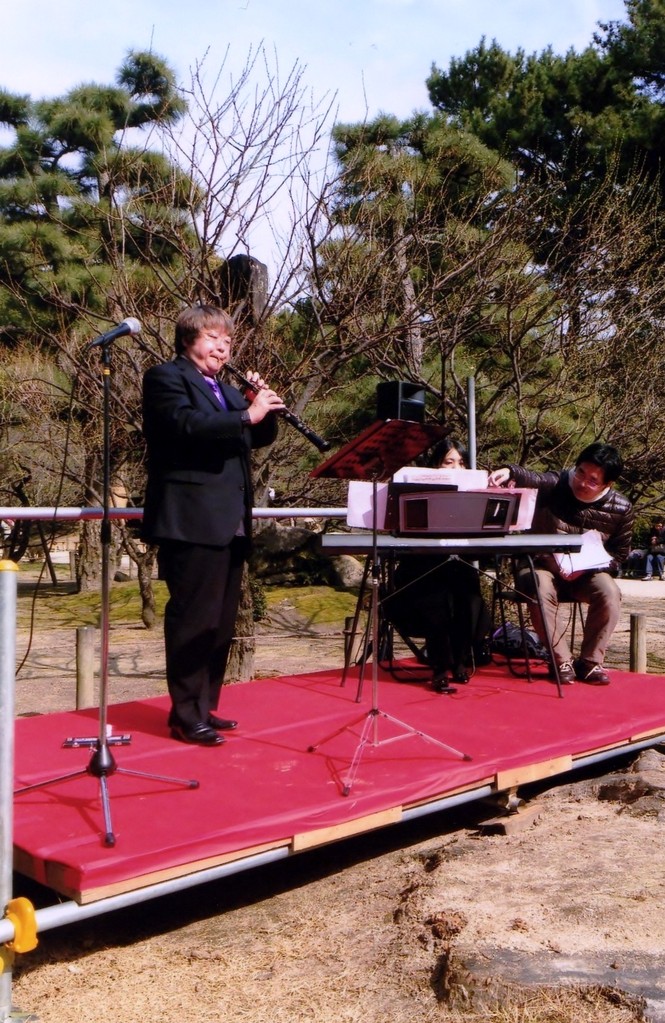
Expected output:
(377, 454)
(102, 763)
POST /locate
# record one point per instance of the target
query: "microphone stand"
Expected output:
(102, 763)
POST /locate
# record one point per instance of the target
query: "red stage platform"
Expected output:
(264, 789)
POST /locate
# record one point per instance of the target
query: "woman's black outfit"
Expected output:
(439, 599)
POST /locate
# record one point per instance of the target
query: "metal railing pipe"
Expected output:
(64, 913)
(78, 514)
(8, 588)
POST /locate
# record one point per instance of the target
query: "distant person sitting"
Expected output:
(654, 562)
(438, 597)
(575, 501)
(633, 566)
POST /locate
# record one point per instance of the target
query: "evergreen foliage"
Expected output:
(514, 235)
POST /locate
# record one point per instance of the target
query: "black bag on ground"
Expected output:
(511, 641)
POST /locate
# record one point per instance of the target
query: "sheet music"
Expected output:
(360, 508)
(462, 479)
(592, 556)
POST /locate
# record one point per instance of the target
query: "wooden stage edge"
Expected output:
(203, 871)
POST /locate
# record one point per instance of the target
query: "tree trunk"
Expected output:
(89, 557)
(144, 559)
(240, 667)
(413, 338)
(144, 566)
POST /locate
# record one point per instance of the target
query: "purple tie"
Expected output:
(216, 390)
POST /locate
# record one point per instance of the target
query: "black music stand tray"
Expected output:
(378, 452)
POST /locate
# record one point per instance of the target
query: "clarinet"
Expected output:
(290, 417)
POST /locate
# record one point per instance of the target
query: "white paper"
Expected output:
(360, 506)
(591, 557)
(463, 479)
(528, 498)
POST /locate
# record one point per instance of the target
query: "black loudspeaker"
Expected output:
(397, 399)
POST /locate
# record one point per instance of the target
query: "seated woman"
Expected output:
(438, 597)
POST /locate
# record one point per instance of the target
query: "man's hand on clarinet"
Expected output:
(263, 400)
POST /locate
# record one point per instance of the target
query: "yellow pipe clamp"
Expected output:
(21, 913)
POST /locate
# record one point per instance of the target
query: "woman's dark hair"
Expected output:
(441, 449)
(605, 457)
(197, 318)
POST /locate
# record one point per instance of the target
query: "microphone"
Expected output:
(128, 326)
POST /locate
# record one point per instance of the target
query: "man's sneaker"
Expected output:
(566, 673)
(592, 674)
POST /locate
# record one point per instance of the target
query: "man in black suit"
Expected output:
(198, 504)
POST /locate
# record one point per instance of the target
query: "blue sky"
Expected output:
(373, 54)
(358, 57)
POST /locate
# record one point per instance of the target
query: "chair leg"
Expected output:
(499, 596)
(577, 612)
(525, 649)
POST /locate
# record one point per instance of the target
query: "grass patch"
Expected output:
(57, 608)
(318, 605)
(61, 608)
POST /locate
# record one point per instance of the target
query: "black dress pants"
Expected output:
(199, 622)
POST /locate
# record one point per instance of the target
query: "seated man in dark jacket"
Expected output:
(575, 501)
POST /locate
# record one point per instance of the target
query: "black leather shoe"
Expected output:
(441, 682)
(566, 673)
(221, 724)
(591, 673)
(200, 734)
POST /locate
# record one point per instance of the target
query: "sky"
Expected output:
(369, 55)
(357, 58)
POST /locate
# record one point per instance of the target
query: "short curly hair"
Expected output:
(197, 318)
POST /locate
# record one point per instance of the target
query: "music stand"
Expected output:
(102, 763)
(377, 453)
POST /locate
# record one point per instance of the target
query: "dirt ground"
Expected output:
(440, 919)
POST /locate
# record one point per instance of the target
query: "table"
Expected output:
(512, 545)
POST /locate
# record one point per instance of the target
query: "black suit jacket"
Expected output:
(199, 484)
